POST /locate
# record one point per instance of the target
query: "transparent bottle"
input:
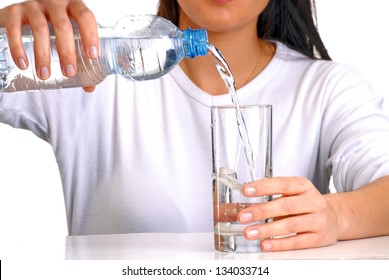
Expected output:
(139, 48)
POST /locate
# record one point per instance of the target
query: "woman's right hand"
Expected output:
(37, 14)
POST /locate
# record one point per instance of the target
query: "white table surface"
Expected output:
(199, 246)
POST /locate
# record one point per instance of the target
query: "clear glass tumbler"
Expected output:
(242, 152)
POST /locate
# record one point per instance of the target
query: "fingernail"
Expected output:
(22, 63)
(249, 190)
(267, 246)
(93, 52)
(69, 70)
(251, 233)
(245, 217)
(44, 73)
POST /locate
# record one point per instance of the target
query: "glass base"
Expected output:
(229, 238)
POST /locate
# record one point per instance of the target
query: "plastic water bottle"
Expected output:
(137, 47)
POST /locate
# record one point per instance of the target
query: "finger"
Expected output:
(2, 17)
(64, 37)
(41, 33)
(283, 227)
(87, 26)
(284, 206)
(35, 17)
(13, 26)
(280, 185)
(295, 242)
(89, 89)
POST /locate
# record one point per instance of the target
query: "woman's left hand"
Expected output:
(302, 218)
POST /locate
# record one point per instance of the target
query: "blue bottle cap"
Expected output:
(195, 42)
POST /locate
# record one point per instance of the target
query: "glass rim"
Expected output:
(231, 106)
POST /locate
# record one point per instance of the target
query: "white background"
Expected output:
(32, 218)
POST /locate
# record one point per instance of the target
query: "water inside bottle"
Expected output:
(89, 72)
(134, 59)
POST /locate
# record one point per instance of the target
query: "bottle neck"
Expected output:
(195, 42)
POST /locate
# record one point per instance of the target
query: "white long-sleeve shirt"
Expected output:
(136, 156)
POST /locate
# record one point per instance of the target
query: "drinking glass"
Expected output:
(242, 152)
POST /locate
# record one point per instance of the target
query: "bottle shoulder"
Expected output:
(145, 26)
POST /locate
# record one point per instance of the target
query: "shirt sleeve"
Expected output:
(24, 110)
(42, 112)
(355, 131)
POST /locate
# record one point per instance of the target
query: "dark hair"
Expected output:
(292, 22)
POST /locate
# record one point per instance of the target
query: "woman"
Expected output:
(129, 154)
